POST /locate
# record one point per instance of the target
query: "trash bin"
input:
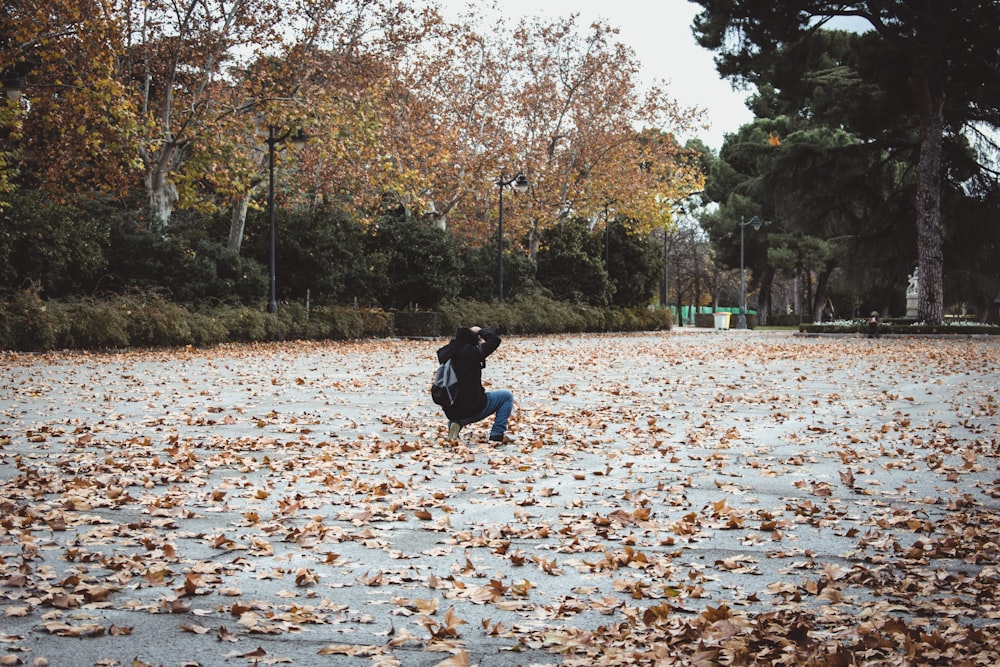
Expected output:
(721, 321)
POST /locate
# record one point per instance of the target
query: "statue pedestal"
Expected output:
(911, 306)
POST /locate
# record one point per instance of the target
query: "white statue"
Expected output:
(911, 289)
(912, 294)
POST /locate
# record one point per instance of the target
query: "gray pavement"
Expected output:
(297, 503)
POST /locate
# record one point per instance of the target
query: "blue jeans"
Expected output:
(500, 403)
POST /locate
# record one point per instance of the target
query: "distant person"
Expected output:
(873, 325)
(828, 311)
(468, 351)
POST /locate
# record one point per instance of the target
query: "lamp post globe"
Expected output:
(13, 86)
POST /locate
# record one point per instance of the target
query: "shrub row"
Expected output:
(902, 328)
(541, 315)
(27, 323)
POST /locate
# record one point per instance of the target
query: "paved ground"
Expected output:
(296, 504)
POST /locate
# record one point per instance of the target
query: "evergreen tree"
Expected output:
(937, 67)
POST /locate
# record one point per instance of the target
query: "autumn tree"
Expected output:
(934, 64)
(176, 61)
(689, 266)
(556, 100)
(360, 114)
(451, 119)
(581, 121)
(72, 130)
(213, 79)
(10, 154)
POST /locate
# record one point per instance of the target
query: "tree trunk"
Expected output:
(161, 194)
(680, 291)
(930, 257)
(697, 283)
(822, 281)
(238, 221)
(808, 278)
(764, 296)
(534, 240)
(797, 296)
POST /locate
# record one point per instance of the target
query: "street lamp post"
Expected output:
(520, 184)
(273, 139)
(607, 241)
(741, 321)
(666, 270)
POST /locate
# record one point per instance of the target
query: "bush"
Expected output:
(784, 320)
(29, 324)
(58, 247)
(291, 322)
(188, 265)
(654, 320)
(375, 323)
(337, 323)
(542, 315)
(902, 327)
(571, 264)
(412, 323)
(464, 312)
(244, 324)
(155, 322)
(638, 319)
(320, 253)
(479, 273)
(208, 329)
(97, 324)
(417, 262)
(147, 320)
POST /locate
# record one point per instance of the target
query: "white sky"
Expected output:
(659, 31)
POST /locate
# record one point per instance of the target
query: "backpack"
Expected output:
(444, 391)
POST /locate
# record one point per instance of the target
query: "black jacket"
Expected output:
(468, 357)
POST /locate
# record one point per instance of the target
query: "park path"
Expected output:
(671, 498)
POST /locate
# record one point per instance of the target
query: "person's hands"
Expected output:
(475, 330)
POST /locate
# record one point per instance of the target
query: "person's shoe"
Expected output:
(501, 439)
(453, 429)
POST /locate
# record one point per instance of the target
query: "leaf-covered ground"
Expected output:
(682, 498)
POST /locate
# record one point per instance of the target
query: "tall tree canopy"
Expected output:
(555, 99)
(74, 123)
(832, 199)
(939, 67)
(182, 108)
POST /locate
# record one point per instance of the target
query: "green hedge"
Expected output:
(27, 323)
(784, 320)
(418, 323)
(541, 315)
(902, 329)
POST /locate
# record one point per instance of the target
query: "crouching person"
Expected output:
(468, 351)
(873, 331)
